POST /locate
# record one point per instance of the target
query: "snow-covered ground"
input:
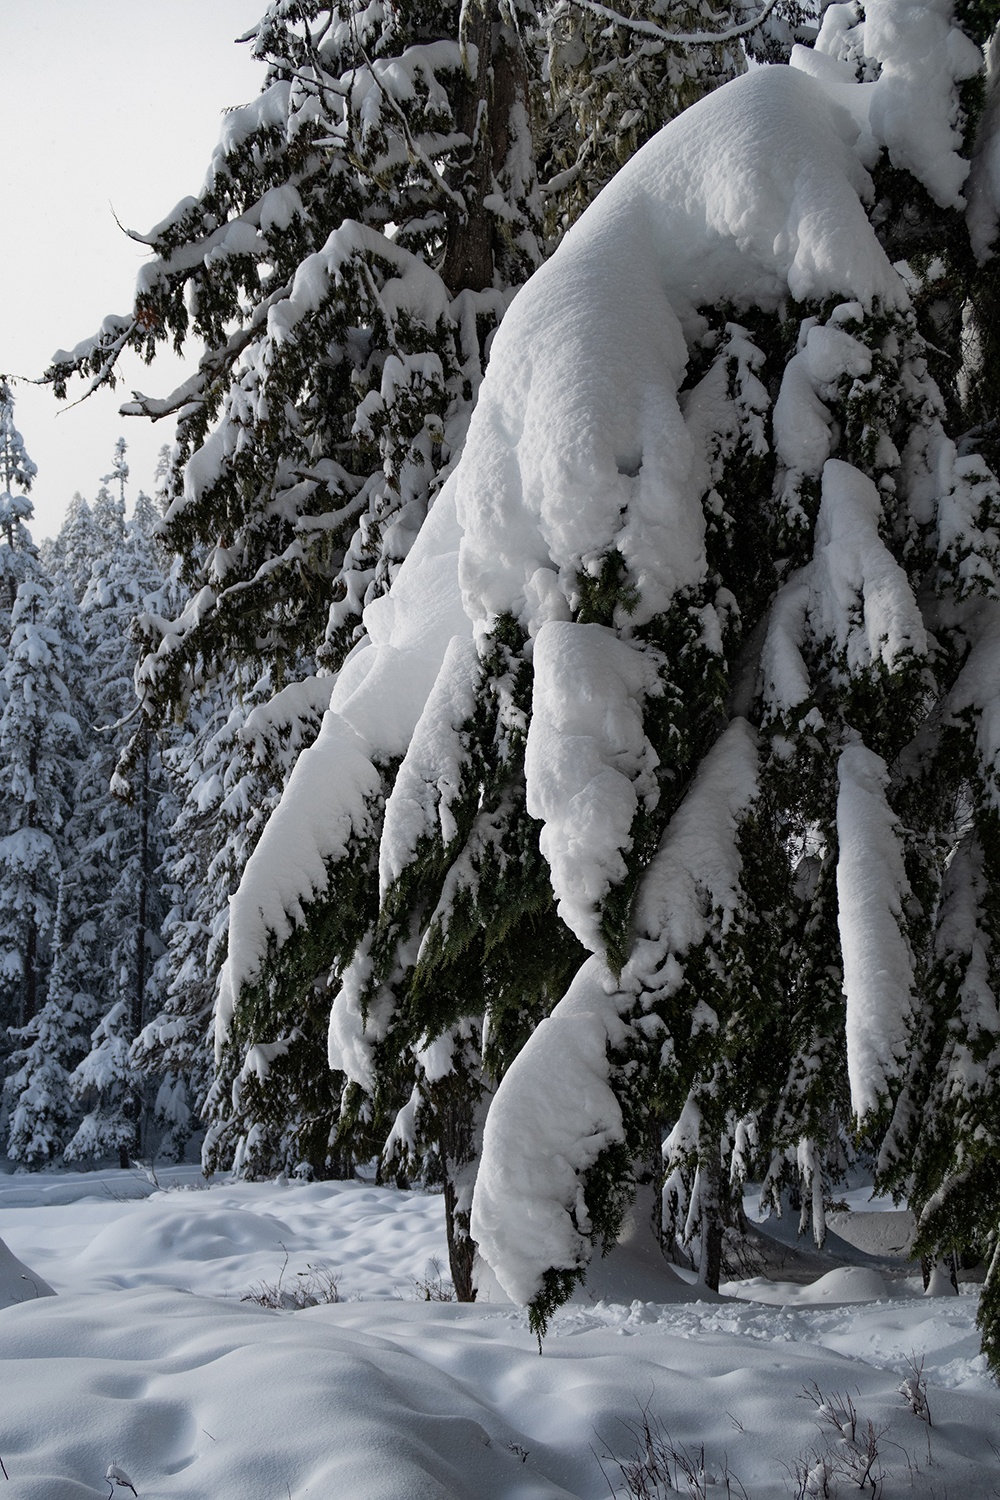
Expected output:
(147, 1358)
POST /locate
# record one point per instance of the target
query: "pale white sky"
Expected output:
(104, 104)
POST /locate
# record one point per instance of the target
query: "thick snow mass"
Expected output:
(871, 887)
(910, 107)
(588, 763)
(577, 443)
(554, 1113)
(912, 110)
(147, 1359)
(430, 777)
(859, 579)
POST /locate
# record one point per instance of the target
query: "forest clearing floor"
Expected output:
(151, 1358)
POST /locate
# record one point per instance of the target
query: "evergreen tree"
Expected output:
(38, 741)
(363, 227)
(118, 839)
(703, 692)
(224, 798)
(357, 352)
(70, 555)
(43, 1114)
(17, 474)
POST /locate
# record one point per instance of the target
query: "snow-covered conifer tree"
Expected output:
(43, 1113)
(327, 443)
(118, 839)
(226, 783)
(70, 555)
(17, 474)
(688, 671)
(38, 743)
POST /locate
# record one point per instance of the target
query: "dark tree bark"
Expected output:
(483, 113)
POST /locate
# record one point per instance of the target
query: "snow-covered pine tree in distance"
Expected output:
(17, 474)
(118, 829)
(39, 737)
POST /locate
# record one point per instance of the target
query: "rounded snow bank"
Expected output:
(18, 1282)
(844, 1286)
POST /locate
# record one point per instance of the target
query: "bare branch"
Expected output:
(676, 38)
(133, 234)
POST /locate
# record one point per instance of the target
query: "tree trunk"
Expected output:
(141, 952)
(30, 992)
(30, 1004)
(461, 1247)
(484, 112)
(710, 1260)
(710, 1269)
(457, 1114)
(468, 258)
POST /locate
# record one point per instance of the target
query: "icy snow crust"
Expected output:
(147, 1358)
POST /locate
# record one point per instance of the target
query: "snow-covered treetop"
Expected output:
(16, 469)
(17, 473)
(119, 470)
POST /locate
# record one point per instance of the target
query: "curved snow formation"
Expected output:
(578, 443)
(579, 447)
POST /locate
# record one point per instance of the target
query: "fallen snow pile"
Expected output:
(148, 1359)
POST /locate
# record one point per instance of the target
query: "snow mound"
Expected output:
(161, 1230)
(635, 1271)
(841, 1287)
(18, 1282)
